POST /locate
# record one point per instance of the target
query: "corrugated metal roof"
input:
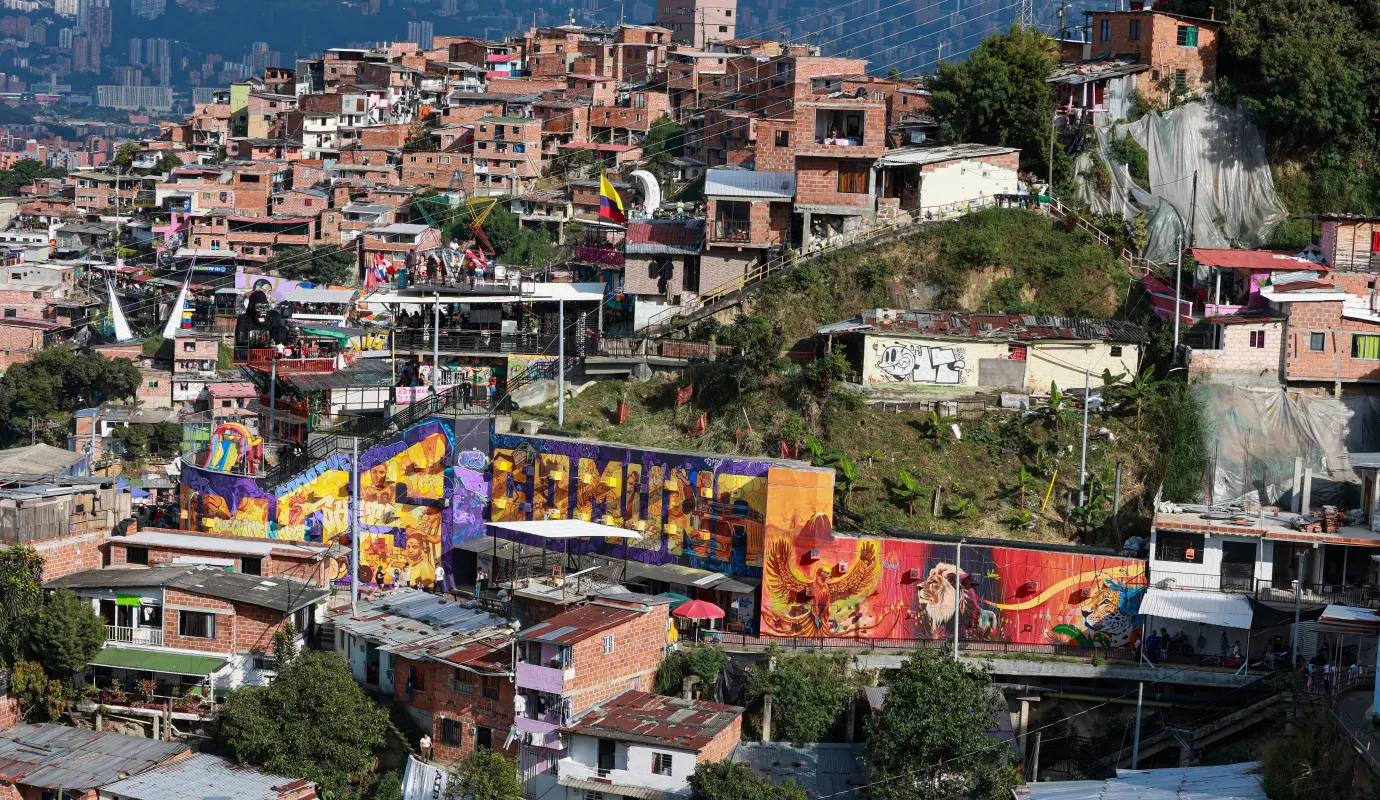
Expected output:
(1350, 621)
(201, 775)
(965, 325)
(318, 295)
(749, 183)
(665, 237)
(657, 720)
(280, 594)
(219, 544)
(916, 156)
(607, 788)
(410, 618)
(836, 771)
(38, 459)
(1211, 608)
(1224, 782)
(75, 759)
(1262, 260)
(579, 624)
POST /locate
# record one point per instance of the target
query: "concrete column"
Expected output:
(1307, 490)
(156, 720)
(1298, 484)
(1185, 749)
(98, 719)
(805, 232)
(766, 718)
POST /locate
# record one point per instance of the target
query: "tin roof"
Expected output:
(928, 154)
(75, 759)
(38, 459)
(657, 720)
(966, 325)
(1260, 260)
(1095, 70)
(1224, 782)
(822, 770)
(665, 237)
(202, 775)
(749, 183)
(280, 594)
(421, 624)
(579, 624)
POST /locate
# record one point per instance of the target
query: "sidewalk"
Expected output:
(1352, 711)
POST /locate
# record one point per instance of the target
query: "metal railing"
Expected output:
(1282, 591)
(1360, 739)
(732, 230)
(145, 636)
(1229, 579)
(451, 341)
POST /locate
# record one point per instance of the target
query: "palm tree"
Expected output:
(908, 490)
(847, 478)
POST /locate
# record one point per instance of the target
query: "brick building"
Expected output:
(199, 624)
(1180, 50)
(698, 22)
(748, 219)
(307, 562)
(67, 525)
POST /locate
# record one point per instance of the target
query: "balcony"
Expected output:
(543, 679)
(732, 230)
(1239, 579)
(152, 637)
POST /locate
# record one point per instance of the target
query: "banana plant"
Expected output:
(1056, 406)
(1024, 482)
(935, 426)
(821, 456)
(960, 508)
(1021, 520)
(1140, 391)
(848, 479)
(908, 491)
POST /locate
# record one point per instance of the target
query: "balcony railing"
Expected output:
(450, 341)
(732, 230)
(146, 636)
(1234, 578)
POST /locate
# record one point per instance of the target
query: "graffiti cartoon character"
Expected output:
(897, 363)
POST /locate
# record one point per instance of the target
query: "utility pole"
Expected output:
(1083, 460)
(354, 533)
(435, 341)
(1193, 210)
(1298, 606)
(958, 592)
(1135, 746)
(1178, 279)
(560, 368)
(1054, 119)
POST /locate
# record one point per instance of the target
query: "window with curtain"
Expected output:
(852, 178)
(1365, 346)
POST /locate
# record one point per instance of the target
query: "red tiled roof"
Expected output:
(658, 720)
(236, 389)
(1262, 260)
(489, 655)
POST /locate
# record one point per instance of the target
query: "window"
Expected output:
(1155, 75)
(1180, 79)
(1104, 30)
(1134, 33)
(1317, 342)
(661, 763)
(1365, 346)
(137, 555)
(252, 566)
(450, 731)
(1258, 340)
(196, 624)
(10, 312)
(1116, 351)
(463, 684)
(1188, 36)
(490, 688)
(417, 678)
(1183, 548)
(608, 644)
(723, 29)
(225, 404)
(728, 12)
(852, 178)
(484, 737)
(189, 347)
(783, 138)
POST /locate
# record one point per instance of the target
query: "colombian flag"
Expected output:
(610, 204)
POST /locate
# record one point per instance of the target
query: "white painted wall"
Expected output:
(1207, 575)
(964, 181)
(632, 765)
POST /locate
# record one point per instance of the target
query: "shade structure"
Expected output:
(677, 600)
(698, 609)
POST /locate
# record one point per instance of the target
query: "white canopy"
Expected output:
(566, 529)
(1209, 608)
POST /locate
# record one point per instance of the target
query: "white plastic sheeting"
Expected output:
(1254, 435)
(1209, 608)
(1237, 203)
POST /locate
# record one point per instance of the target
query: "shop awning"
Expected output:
(1209, 608)
(331, 332)
(566, 529)
(1349, 620)
(676, 599)
(154, 661)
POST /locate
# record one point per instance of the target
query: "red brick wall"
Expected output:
(770, 224)
(1158, 45)
(721, 746)
(1334, 362)
(443, 701)
(224, 643)
(771, 158)
(73, 553)
(10, 714)
(272, 566)
(639, 645)
(817, 183)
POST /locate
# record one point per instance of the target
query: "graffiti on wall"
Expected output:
(700, 511)
(817, 584)
(420, 496)
(914, 363)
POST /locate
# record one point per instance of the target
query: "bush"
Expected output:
(1126, 150)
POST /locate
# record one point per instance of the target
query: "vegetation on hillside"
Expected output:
(38, 396)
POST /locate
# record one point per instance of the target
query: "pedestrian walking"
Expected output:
(426, 747)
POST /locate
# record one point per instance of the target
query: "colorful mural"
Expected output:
(696, 510)
(818, 584)
(422, 492)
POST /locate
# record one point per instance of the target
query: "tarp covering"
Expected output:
(1210, 608)
(1237, 205)
(1255, 433)
(1349, 620)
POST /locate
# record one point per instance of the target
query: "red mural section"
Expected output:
(819, 584)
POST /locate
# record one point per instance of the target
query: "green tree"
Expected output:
(733, 780)
(1179, 428)
(21, 599)
(41, 698)
(24, 172)
(701, 662)
(665, 142)
(758, 342)
(55, 382)
(927, 742)
(124, 156)
(486, 775)
(312, 721)
(167, 163)
(134, 442)
(809, 692)
(326, 265)
(848, 479)
(285, 644)
(67, 634)
(998, 96)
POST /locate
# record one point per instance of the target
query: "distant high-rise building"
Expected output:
(698, 22)
(148, 9)
(65, 37)
(449, 8)
(165, 71)
(81, 53)
(422, 33)
(66, 8)
(100, 19)
(136, 51)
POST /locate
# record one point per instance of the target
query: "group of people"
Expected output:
(1159, 644)
(1317, 669)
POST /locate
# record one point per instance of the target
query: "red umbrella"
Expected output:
(698, 609)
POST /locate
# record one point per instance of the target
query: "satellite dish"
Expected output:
(651, 190)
